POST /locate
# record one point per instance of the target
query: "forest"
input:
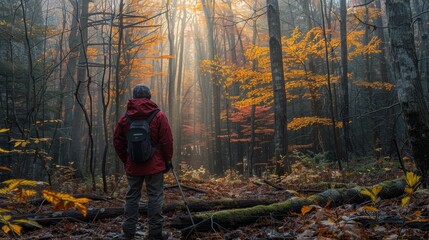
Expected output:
(291, 119)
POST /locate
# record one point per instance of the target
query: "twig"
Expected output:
(399, 157)
(278, 187)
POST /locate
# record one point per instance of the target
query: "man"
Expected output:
(151, 171)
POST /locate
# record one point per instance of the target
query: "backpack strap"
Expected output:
(151, 116)
(130, 119)
(148, 119)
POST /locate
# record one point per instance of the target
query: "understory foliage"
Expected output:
(310, 172)
(21, 191)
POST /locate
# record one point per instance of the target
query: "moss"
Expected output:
(237, 215)
(335, 196)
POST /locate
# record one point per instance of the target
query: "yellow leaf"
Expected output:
(5, 218)
(405, 200)
(370, 208)
(3, 130)
(4, 190)
(4, 150)
(376, 189)
(306, 209)
(367, 192)
(19, 182)
(28, 222)
(2, 210)
(5, 168)
(408, 190)
(63, 201)
(17, 144)
(412, 179)
(82, 209)
(16, 229)
(24, 194)
(5, 228)
(417, 213)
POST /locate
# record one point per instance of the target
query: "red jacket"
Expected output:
(140, 108)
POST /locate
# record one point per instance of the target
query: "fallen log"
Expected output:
(49, 218)
(186, 187)
(239, 217)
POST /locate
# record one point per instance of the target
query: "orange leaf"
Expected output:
(5, 169)
(306, 209)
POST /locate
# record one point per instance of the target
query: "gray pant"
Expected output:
(155, 193)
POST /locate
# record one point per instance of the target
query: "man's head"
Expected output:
(141, 91)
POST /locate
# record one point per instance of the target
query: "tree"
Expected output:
(344, 78)
(209, 12)
(278, 83)
(406, 71)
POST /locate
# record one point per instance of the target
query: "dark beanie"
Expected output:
(141, 91)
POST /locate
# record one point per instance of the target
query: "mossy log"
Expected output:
(49, 218)
(239, 217)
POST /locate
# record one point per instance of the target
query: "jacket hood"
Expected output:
(140, 108)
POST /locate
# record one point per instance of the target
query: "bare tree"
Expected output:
(278, 82)
(344, 78)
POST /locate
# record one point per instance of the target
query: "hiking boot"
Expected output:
(163, 236)
(126, 236)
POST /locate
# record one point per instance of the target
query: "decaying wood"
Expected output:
(49, 218)
(240, 217)
(186, 187)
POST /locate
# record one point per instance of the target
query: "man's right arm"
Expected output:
(120, 140)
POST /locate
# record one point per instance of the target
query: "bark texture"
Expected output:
(406, 72)
(278, 82)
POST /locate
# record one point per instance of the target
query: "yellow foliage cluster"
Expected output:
(412, 181)
(298, 123)
(14, 225)
(64, 201)
(375, 85)
(372, 193)
(15, 191)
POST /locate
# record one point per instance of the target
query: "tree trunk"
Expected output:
(172, 63)
(405, 68)
(423, 32)
(331, 99)
(344, 78)
(178, 95)
(385, 132)
(69, 76)
(208, 7)
(278, 82)
(78, 129)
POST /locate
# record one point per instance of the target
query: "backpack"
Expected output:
(139, 142)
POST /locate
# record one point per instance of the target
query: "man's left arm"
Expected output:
(165, 138)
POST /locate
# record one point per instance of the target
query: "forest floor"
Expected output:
(381, 219)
